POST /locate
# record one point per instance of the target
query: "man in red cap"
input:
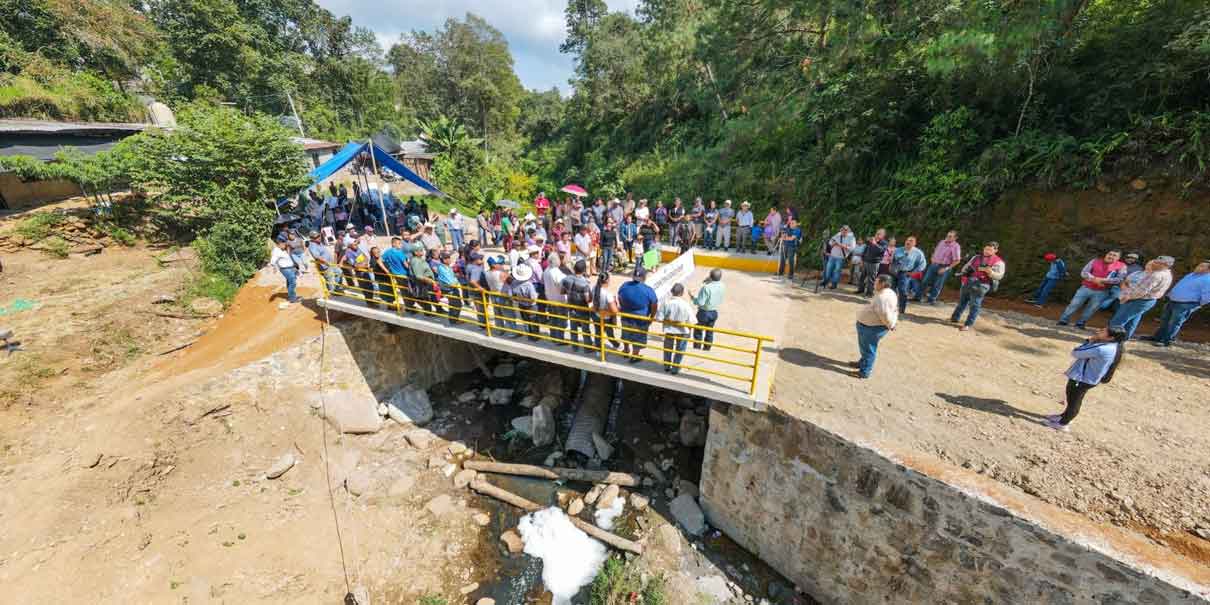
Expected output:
(1056, 273)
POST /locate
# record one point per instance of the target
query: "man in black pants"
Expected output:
(871, 257)
(579, 293)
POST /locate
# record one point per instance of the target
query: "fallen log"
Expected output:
(616, 541)
(550, 472)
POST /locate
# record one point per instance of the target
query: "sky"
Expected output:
(534, 28)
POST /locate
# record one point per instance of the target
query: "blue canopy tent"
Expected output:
(381, 158)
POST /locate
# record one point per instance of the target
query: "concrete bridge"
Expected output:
(737, 370)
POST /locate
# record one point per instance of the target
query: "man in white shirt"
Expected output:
(839, 247)
(743, 226)
(284, 263)
(873, 322)
(552, 280)
(676, 314)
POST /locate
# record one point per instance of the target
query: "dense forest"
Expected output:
(868, 111)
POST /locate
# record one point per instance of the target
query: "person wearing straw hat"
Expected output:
(521, 288)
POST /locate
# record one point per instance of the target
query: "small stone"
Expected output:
(688, 514)
(456, 448)
(278, 469)
(1202, 532)
(594, 493)
(163, 299)
(464, 478)
(482, 519)
(500, 396)
(504, 370)
(358, 482)
(420, 439)
(469, 588)
(608, 496)
(206, 306)
(468, 397)
(604, 450)
(523, 425)
(382, 410)
(1138, 184)
(485, 601)
(512, 541)
(576, 507)
(639, 501)
(543, 425)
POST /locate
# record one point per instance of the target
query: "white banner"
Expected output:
(677, 271)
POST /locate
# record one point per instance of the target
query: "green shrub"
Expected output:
(210, 285)
(39, 226)
(617, 581)
(56, 246)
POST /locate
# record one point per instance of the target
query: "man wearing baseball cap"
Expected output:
(636, 298)
(1055, 273)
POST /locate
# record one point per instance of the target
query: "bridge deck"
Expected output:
(753, 303)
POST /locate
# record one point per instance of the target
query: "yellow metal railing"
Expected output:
(503, 315)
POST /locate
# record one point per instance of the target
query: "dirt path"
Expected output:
(1135, 457)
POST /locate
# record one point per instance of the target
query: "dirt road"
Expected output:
(1135, 457)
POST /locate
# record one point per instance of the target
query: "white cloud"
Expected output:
(534, 28)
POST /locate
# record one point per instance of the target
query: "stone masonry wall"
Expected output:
(850, 525)
(386, 357)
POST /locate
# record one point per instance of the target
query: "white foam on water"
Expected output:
(570, 558)
(605, 516)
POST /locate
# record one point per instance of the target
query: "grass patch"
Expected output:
(39, 226)
(56, 246)
(118, 234)
(209, 285)
(26, 374)
(620, 583)
(433, 600)
(113, 346)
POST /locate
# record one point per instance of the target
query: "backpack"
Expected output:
(578, 293)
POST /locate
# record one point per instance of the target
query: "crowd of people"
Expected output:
(891, 276)
(543, 279)
(554, 273)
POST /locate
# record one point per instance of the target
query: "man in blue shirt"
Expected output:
(908, 267)
(395, 261)
(1185, 298)
(636, 298)
(325, 261)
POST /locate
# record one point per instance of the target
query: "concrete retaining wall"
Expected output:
(23, 195)
(849, 524)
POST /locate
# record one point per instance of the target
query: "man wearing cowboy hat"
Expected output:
(521, 288)
(743, 225)
(429, 240)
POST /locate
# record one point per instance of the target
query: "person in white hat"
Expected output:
(743, 228)
(525, 296)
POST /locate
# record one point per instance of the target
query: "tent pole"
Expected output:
(381, 194)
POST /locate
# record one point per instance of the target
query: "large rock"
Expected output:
(667, 413)
(688, 514)
(693, 430)
(542, 423)
(351, 412)
(420, 439)
(604, 450)
(500, 396)
(504, 370)
(608, 496)
(714, 588)
(410, 405)
(358, 482)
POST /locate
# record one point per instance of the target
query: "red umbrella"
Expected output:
(575, 190)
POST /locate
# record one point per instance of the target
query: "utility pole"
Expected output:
(297, 120)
